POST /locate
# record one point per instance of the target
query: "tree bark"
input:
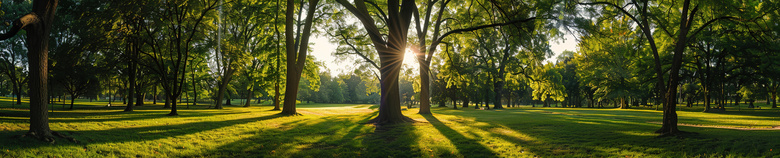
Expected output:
(72, 98)
(228, 74)
(296, 53)
(425, 102)
(391, 52)
(249, 97)
(669, 125)
(38, 27)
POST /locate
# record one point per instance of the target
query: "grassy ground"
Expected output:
(338, 130)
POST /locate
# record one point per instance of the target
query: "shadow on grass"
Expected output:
(615, 136)
(332, 136)
(146, 133)
(465, 146)
(102, 116)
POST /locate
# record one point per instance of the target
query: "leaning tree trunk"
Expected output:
(222, 86)
(72, 98)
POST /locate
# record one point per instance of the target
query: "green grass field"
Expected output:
(338, 130)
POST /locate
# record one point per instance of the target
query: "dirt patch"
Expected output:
(723, 127)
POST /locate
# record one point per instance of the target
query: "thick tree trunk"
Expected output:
(38, 28)
(291, 91)
(390, 104)
(167, 102)
(139, 100)
(425, 104)
(173, 106)
(498, 88)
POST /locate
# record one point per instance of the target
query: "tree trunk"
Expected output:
(72, 98)
(173, 106)
(38, 28)
(154, 97)
(249, 97)
(18, 93)
(291, 91)
(774, 99)
(498, 88)
(425, 104)
(623, 104)
(276, 96)
(167, 101)
(131, 76)
(139, 99)
(222, 86)
(296, 52)
(706, 100)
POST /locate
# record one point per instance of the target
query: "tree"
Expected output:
(297, 48)
(14, 57)
(397, 18)
(509, 13)
(678, 26)
(171, 37)
(38, 25)
(241, 35)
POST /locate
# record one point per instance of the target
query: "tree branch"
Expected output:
(21, 23)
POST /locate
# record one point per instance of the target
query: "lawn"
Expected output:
(338, 130)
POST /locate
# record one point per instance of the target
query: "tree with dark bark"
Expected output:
(677, 24)
(424, 53)
(171, 41)
(38, 25)
(391, 50)
(297, 47)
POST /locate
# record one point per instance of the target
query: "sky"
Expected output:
(323, 52)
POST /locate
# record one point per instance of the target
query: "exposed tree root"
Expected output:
(48, 137)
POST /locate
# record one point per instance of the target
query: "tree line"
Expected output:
(482, 52)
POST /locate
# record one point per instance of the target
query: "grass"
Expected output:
(338, 130)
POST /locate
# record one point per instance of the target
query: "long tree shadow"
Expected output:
(465, 146)
(603, 135)
(331, 136)
(145, 133)
(103, 116)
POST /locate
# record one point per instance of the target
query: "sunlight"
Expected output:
(410, 61)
